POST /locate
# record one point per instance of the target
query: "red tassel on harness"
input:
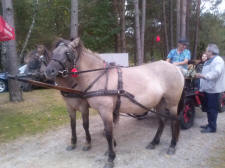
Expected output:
(74, 70)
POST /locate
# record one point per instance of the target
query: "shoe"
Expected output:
(208, 130)
(204, 126)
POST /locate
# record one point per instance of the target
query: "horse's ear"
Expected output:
(75, 42)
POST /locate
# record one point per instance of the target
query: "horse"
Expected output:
(153, 85)
(37, 61)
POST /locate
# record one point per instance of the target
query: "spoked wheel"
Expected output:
(187, 115)
(222, 102)
(2, 86)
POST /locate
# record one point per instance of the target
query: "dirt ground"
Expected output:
(47, 150)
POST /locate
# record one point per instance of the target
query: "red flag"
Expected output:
(6, 31)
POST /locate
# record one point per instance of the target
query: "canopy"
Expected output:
(6, 31)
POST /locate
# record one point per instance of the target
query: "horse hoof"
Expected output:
(109, 165)
(71, 147)
(171, 151)
(150, 146)
(86, 147)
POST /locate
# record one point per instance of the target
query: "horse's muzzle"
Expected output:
(51, 73)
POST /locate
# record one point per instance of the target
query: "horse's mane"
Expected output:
(81, 49)
(30, 55)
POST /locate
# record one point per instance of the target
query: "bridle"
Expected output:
(70, 56)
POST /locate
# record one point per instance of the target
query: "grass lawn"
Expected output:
(41, 110)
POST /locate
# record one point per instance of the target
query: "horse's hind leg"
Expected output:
(158, 134)
(85, 116)
(175, 128)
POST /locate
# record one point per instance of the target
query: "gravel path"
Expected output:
(47, 150)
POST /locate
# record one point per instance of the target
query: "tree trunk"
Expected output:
(74, 19)
(15, 93)
(140, 59)
(165, 27)
(3, 56)
(189, 6)
(117, 12)
(178, 20)
(196, 30)
(171, 25)
(30, 30)
(183, 19)
(123, 27)
(143, 28)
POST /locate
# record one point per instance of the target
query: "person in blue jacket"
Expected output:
(180, 55)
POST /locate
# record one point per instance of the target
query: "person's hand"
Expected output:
(198, 75)
(176, 63)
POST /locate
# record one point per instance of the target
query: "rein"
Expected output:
(65, 73)
(45, 85)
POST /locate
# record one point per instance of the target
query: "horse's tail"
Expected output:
(115, 117)
(181, 103)
(179, 109)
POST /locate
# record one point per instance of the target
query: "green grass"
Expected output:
(41, 110)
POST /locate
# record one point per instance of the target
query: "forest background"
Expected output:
(146, 29)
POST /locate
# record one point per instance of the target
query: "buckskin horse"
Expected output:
(112, 90)
(37, 61)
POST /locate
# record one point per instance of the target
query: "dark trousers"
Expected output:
(212, 109)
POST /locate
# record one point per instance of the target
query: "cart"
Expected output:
(194, 98)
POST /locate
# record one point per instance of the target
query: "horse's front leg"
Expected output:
(72, 114)
(85, 116)
(108, 127)
(175, 127)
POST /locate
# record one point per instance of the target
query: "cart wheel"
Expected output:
(187, 115)
(222, 102)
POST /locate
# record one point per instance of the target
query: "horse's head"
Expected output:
(64, 57)
(37, 60)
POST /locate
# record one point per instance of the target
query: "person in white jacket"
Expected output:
(212, 83)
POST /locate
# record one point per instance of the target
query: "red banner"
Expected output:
(6, 31)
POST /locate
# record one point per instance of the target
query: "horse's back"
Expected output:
(160, 72)
(157, 79)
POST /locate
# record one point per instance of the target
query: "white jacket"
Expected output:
(214, 73)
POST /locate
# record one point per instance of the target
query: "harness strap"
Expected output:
(71, 95)
(118, 101)
(93, 82)
(59, 62)
(126, 94)
(107, 80)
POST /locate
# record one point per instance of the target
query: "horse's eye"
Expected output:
(67, 53)
(69, 56)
